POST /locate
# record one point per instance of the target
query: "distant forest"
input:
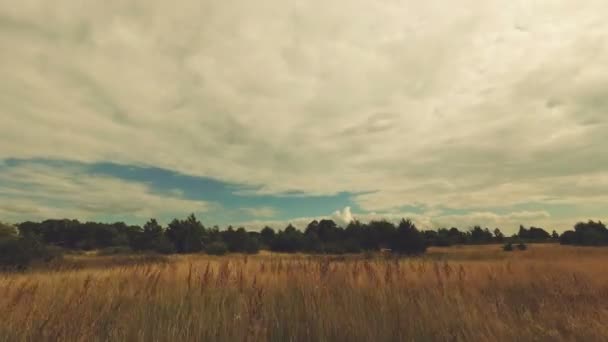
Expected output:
(189, 235)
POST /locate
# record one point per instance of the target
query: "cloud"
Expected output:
(484, 104)
(343, 216)
(261, 212)
(507, 222)
(39, 191)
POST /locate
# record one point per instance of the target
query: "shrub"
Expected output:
(20, 253)
(252, 246)
(352, 246)
(508, 247)
(216, 248)
(522, 246)
(163, 246)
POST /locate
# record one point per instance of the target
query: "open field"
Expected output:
(549, 292)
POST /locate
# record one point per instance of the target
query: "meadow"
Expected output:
(464, 293)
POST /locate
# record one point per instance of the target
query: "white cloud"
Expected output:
(479, 104)
(37, 191)
(508, 222)
(343, 216)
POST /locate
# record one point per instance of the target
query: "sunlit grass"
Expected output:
(479, 293)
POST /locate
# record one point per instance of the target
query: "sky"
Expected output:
(480, 112)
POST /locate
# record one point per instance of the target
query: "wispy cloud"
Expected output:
(479, 104)
(40, 191)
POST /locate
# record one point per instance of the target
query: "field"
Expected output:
(548, 292)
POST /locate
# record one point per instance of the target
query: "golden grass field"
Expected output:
(547, 293)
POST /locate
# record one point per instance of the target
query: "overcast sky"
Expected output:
(485, 112)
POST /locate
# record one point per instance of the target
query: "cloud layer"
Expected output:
(38, 191)
(472, 106)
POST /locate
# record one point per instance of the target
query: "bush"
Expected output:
(216, 248)
(508, 247)
(252, 246)
(522, 246)
(352, 246)
(20, 253)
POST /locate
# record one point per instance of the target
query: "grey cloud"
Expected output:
(38, 191)
(421, 102)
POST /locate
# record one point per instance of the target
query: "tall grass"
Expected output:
(461, 294)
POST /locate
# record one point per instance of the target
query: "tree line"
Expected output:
(28, 240)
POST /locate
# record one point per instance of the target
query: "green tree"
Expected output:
(186, 235)
(153, 238)
(498, 235)
(408, 240)
(267, 236)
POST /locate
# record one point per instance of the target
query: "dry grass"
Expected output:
(460, 294)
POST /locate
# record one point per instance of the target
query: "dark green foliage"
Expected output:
(586, 234)
(480, 236)
(17, 253)
(186, 235)
(498, 235)
(522, 246)
(508, 247)
(240, 241)
(352, 246)
(153, 238)
(533, 234)
(325, 236)
(267, 236)
(408, 240)
(378, 235)
(72, 234)
(569, 237)
(216, 248)
(290, 240)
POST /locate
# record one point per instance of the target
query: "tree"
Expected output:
(533, 234)
(240, 241)
(569, 237)
(408, 240)
(267, 236)
(456, 236)
(312, 228)
(186, 235)
(479, 235)
(153, 238)
(589, 233)
(378, 234)
(498, 235)
(290, 240)
(329, 231)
